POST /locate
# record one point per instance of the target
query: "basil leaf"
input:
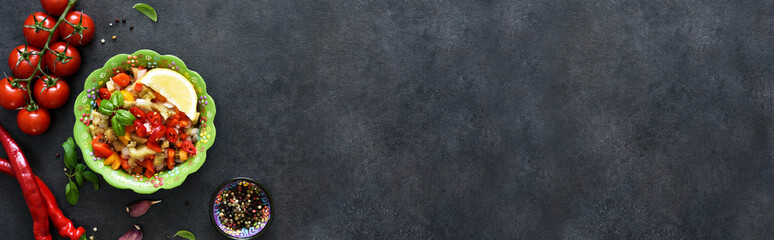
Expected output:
(185, 234)
(147, 10)
(106, 107)
(71, 191)
(90, 176)
(117, 99)
(69, 153)
(117, 127)
(80, 167)
(125, 117)
(79, 178)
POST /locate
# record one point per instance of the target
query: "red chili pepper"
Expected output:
(65, 225)
(26, 179)
(154, 118)
(172, 135)
(138, 113)
(140, 129)
(189, 147)
(157, 133)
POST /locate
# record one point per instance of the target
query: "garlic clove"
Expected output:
(140, 207)
(134, 233)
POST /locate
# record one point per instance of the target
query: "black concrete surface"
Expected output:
(451, 119)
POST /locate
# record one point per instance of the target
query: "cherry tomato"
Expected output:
(171, 135)
(140, 129)
(54, 7)
(157, 133)
(138, 113)
(12, 97)
(78, 28)
(121, 79)
(104, 93)
(33, 122)
(154, 118)
(63, 60)
(189, 147)
(23, 60)
(51, 97)
(138, 87)
(36, 28)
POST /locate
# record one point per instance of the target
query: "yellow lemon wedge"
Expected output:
(174, 87)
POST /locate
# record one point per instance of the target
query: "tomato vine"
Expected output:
(31, 106)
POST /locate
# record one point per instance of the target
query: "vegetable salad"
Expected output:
(137, 130)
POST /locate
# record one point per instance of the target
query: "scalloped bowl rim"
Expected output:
(119, 178)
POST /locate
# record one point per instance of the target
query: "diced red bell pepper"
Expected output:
(170, 158)
(154, 146)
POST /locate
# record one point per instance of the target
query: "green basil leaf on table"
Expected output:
(80, 167)
(185, 234)
(91, 177)
(147, 10)
(79, 178)
(69, 153)
(117, 127)
(71, 192)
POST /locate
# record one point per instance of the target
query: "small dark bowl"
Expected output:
(245, 233)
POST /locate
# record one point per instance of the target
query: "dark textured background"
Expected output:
(438, 119)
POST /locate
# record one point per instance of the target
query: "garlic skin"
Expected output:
(140, 207)
(134, 233)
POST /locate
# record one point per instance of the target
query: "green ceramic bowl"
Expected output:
(166, 179)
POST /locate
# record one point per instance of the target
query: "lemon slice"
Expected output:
(174, 87)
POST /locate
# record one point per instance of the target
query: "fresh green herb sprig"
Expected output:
(122, 118)
(74, 169)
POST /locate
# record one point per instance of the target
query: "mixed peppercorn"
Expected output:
(241, 207)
